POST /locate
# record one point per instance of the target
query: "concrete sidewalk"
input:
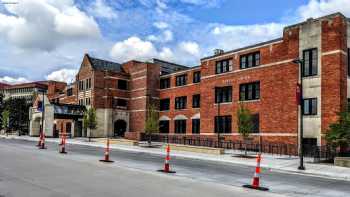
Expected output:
(271, 162)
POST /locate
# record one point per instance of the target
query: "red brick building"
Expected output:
(203, 100)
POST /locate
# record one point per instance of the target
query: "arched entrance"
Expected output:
(119, 128)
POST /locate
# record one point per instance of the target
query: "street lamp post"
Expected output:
(300, 62)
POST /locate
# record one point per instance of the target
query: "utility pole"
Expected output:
(300, 62)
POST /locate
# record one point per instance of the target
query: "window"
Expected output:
(348, 104)
(223, 124)
(310, 106)
(223, 66)
(310, 62)
(180, 102)
(255, 122)
(122, 84)
(69, 91)
(249, 91)
(88, 83)
(196, 77)
(164, 104)
(181, 80)
(196, 101)
(81, 102)
(250, 60)
(87, 101)
(81, 85)
(164, 126)
(180, 126)
(120, 103)
(196, 124)
(223, 94)
(165, 83)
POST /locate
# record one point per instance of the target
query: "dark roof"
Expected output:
(243, 48)
(99, 64)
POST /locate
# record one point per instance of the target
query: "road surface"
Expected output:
(27, 171)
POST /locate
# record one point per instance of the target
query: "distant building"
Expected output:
(29, 90)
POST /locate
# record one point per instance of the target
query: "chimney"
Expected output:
(218, 51)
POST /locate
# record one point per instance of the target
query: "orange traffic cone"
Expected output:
(256, 179)
(166, 163)
(42, 143)
(63, 144)
(106, 159)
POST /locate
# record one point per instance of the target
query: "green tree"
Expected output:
(338, 134)
(151, 124)
(245, 124)
(5, 116)
(90, 121)
(19, 114)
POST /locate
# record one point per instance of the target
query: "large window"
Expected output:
(196, 77)
(223, 66)
(223, 94)
(165, 83)
(196, 124)
(196, 101)
(310, 106)
(310, 62)
(250, 60)
(164, 104)
(180, 126)
(122, 84)
(180, 102)
(249, 91)
(181, 80)
(88, 83)
(81, 85)
(120, 103)
(223, 124)
(87, 101)
(164, 126)
(69, 91)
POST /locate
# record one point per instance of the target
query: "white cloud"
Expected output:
(165, 36)
(229, 37)
(100, 9)
(133, 48)
(65, 75)
(12, 80)
(45, 24)
(161, 25)
(317, 8)
(191, 48)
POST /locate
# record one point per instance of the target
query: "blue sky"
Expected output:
(46, 39)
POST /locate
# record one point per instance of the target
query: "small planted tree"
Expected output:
(5, 117)
(90, 121)
(338, 134)
(245, 124)
(151, 125)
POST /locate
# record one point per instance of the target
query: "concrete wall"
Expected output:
(310, 37)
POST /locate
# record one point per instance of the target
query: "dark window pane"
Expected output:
(164, 104)
(196, 126)
(122, 84)
(164, 126)
(249, 91)
(165, 83)
(250, 60)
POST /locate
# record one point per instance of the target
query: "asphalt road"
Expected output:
(27, 171)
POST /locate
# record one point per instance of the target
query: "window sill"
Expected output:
(224, 103)
(311, 77)
(181, 109)
(249, 101)
(164, 110)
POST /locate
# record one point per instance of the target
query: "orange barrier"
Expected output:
(167, 162)
(106, 159)
(40, 138)
(256, 178)
(42, 143)
(62, 145)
